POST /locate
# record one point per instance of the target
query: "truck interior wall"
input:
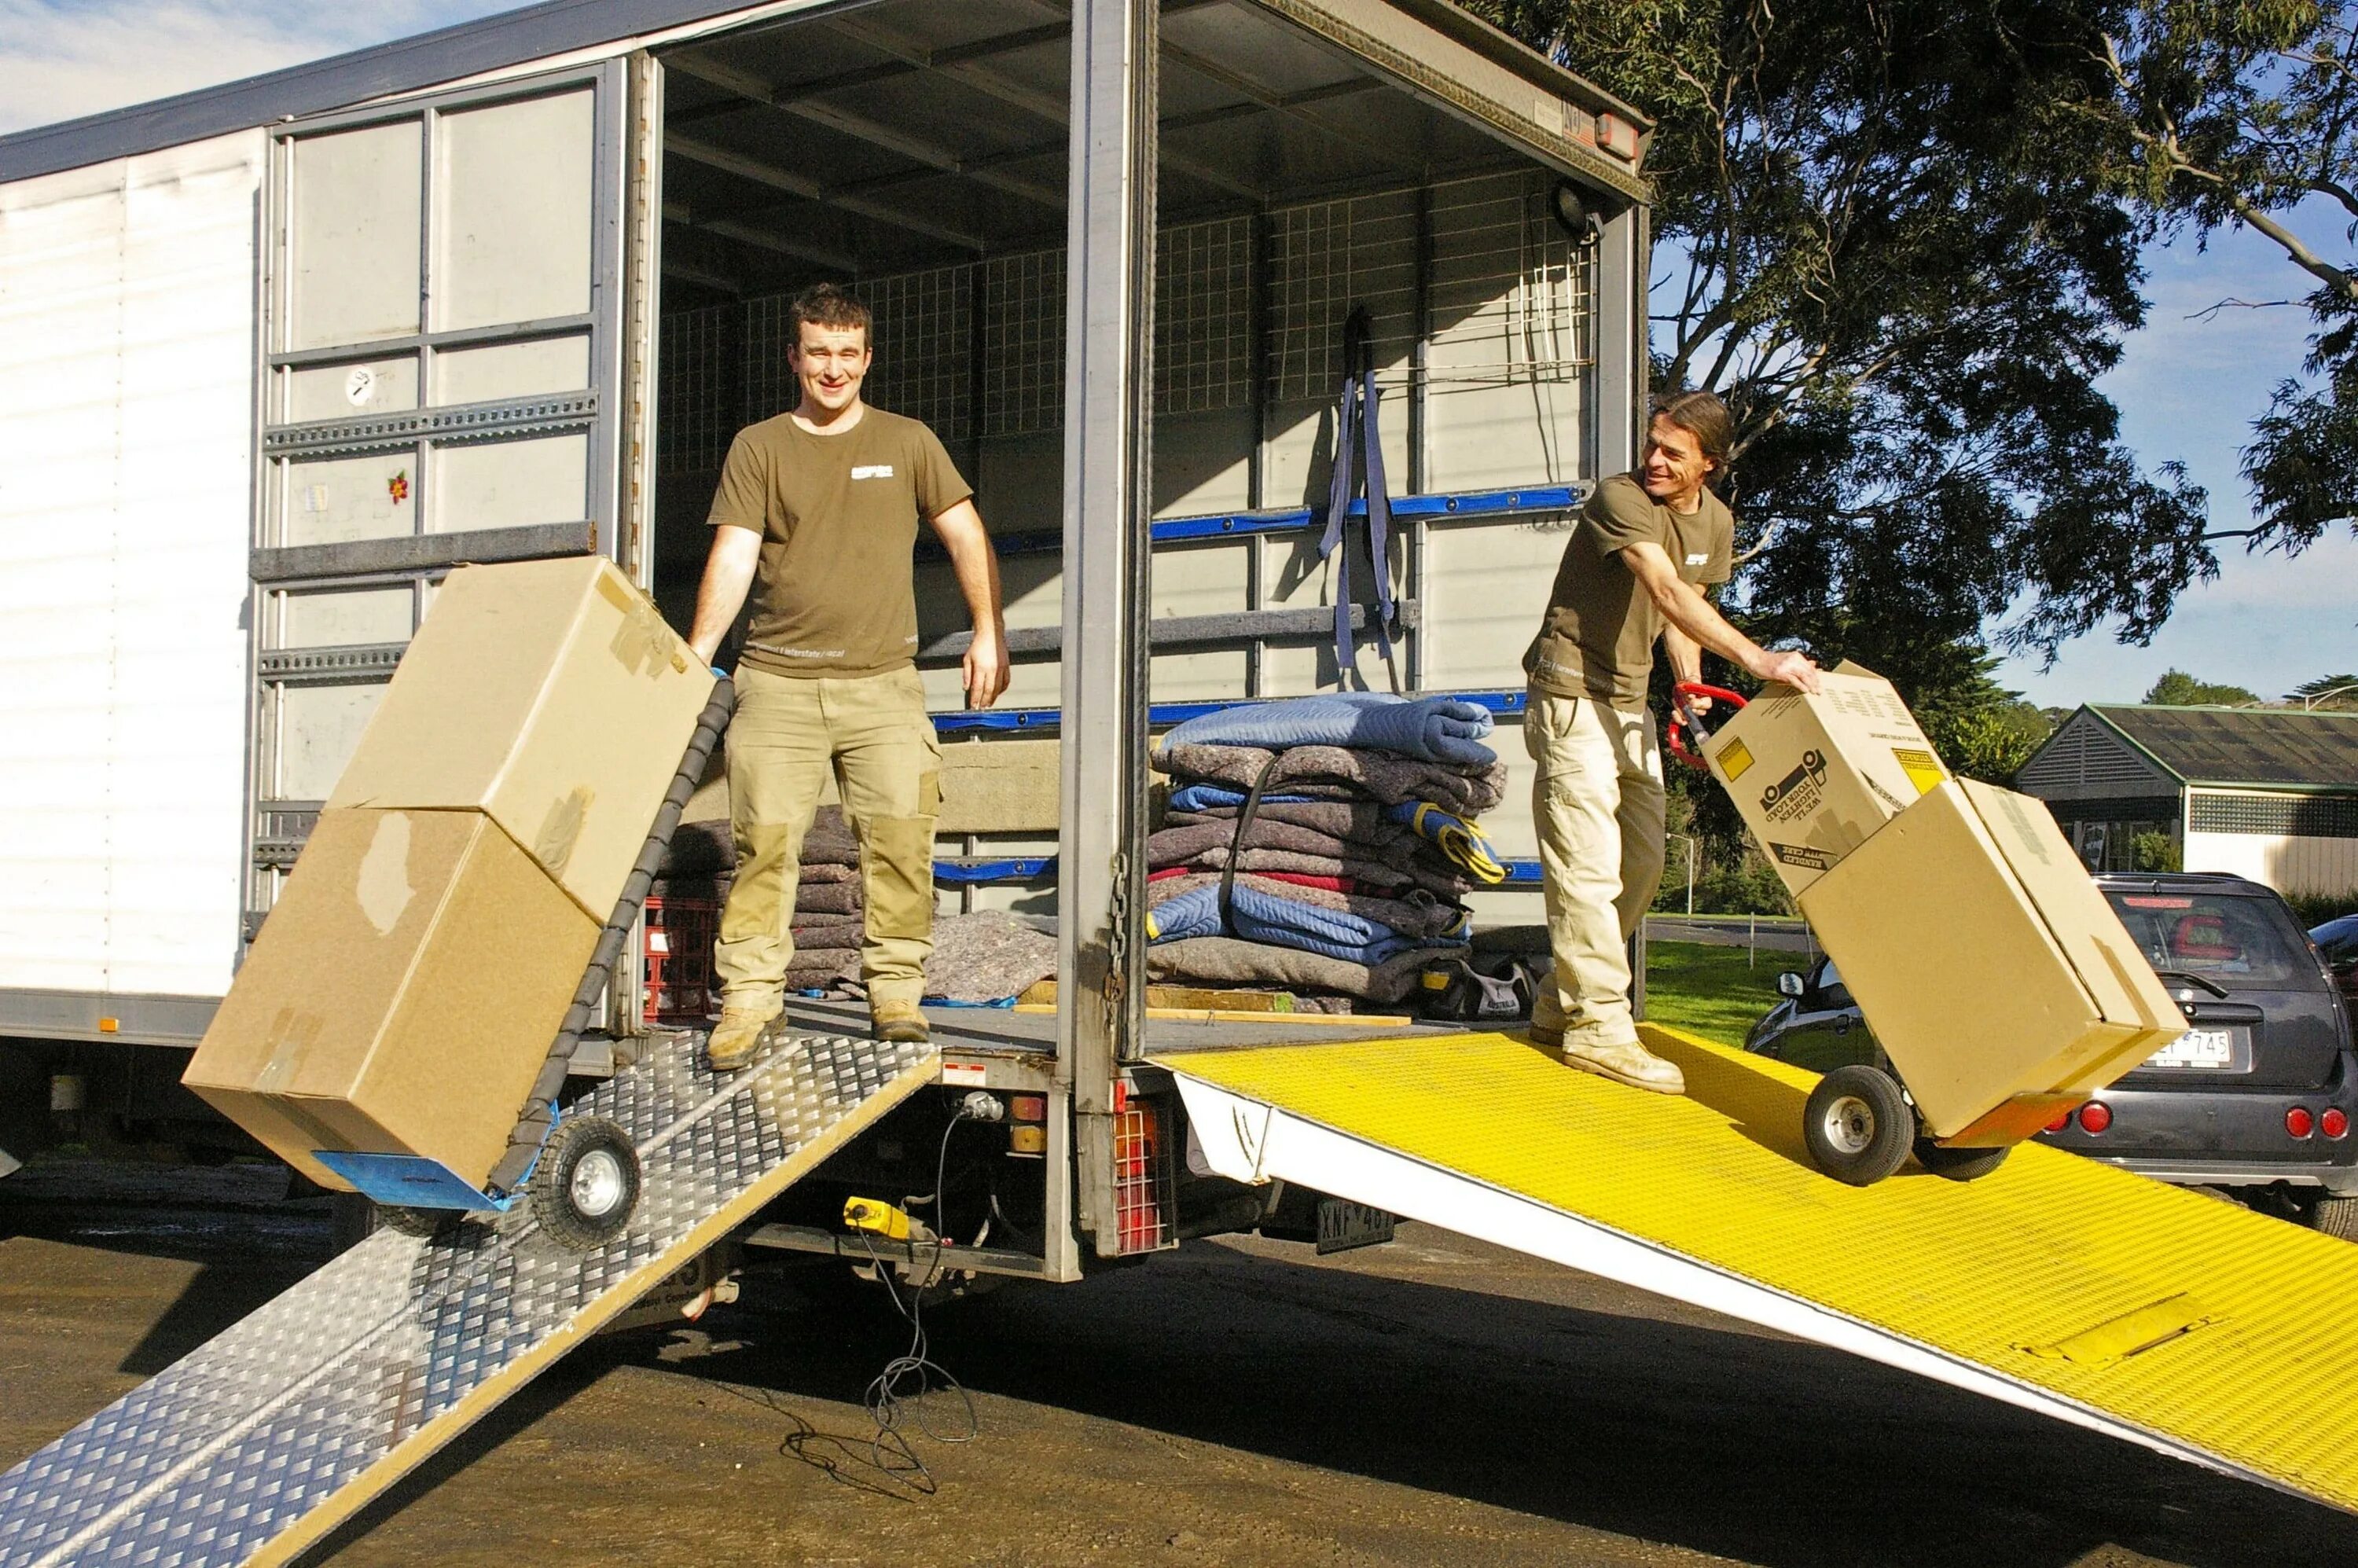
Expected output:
(1509, 301)
(126, 375)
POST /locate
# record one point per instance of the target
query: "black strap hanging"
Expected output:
(1245, 814)
(1359, 450)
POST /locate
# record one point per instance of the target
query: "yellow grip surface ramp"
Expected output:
(2162, 1316)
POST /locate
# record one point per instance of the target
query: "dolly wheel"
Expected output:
(586, 1183)
(1959, 1164)
(421, 1222)
(1858, 1125)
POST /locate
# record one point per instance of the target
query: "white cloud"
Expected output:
(61, 60)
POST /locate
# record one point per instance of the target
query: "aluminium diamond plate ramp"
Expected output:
(254, 1446)
(2191, 1326)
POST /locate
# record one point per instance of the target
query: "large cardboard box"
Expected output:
(1815, 776)
(550, 695)
(1988, 965)
(401, 998)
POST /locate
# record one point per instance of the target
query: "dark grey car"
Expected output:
(2259, 1097)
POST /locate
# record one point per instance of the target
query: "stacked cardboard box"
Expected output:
(1994, 974)
(1815, 775)
(421, 956)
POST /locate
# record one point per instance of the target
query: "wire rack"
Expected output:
(1203, 316)
(1327, 258)
(1023, 343)
(924, 348)
(702, 403)
(1512, 297)
(1511, 300)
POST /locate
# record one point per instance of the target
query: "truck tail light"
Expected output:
(2298, 1123)
(2334, 1122)
(2096, 1116)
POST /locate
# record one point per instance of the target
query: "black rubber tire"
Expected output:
(1959, 1164)
(2335, 1216)
(1858, 1125)
(427, 1223)
(591, 1147)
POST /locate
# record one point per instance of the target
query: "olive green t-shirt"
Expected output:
(1597, 640)
(837, 515)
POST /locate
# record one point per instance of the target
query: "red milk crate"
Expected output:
(677, 985)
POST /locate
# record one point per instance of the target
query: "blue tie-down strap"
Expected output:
(410, 1181)
(1355, 438)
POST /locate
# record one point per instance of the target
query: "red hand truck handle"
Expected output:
(1682, 716)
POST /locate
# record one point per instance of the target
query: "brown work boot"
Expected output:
(739, 1036)
(898, 1023)
(1628, 1063)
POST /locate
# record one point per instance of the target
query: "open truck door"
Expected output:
(448, 377)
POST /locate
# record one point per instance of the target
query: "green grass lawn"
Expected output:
(1709, 990)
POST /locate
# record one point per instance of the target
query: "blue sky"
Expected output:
(2186, 388)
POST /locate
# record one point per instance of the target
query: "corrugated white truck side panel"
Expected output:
(127, 357)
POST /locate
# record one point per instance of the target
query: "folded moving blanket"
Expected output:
(828, 898)
(1343, 819)
(830, 840)
(1178, 846)
(1292, 879)
(809, 969)
(1260, 917)
(1459, 842)
(1436, 728)
(1419, 918)
(830, 931)
(1376, 876)
(1211, 798)
(830, 853)
(1226, 961)
(989, 956)
(1416, 913)
(1380, 774)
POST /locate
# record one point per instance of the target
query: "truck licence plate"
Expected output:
(1343, 1226)
(2225, 1049)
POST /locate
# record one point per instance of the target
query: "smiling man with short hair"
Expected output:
(822, 504)
(1644, 546)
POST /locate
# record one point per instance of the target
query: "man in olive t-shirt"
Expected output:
(1642, 548)
(822, 505)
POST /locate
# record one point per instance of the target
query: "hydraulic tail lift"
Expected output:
(2063, 1286)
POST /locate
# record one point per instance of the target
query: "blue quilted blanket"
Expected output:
(1444, 730)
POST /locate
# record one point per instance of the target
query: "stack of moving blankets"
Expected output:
(829, 915)
(984, 957)
(1321, 844)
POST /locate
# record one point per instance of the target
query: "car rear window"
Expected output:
(2238, 943)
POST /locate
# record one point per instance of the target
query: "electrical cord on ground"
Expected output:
(908, 1380)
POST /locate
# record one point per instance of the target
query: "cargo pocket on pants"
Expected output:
(898, 871)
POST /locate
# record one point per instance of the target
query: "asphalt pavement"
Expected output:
(1435, 1402)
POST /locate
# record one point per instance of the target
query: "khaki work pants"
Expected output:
(1598, 806)
(788, 734)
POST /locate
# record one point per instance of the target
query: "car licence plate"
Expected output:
(1343, 1226)
(2216, 1049)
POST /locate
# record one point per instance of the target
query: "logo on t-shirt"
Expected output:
(871, 470)
(1702, 560)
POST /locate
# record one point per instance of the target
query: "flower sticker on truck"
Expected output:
(398, 486)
